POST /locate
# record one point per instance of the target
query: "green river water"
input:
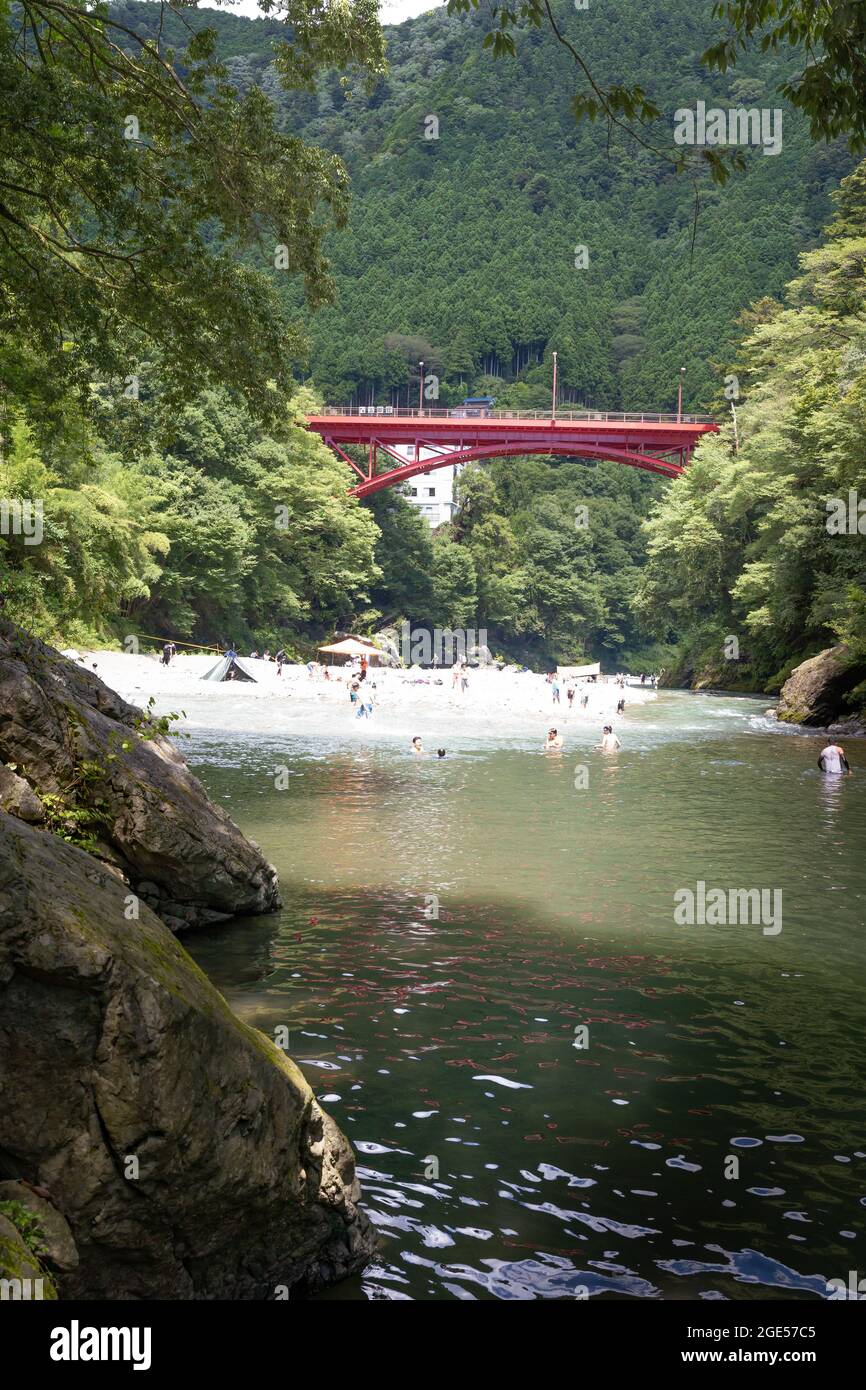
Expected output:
(709, 1139)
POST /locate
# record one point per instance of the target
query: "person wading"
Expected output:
(833, 762)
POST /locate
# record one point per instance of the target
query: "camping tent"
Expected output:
(228, 668)
(351, 647)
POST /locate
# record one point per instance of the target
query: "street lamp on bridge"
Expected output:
(553, 401)
(421, 387)
(680, 396)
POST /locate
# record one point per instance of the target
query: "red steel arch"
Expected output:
(659, 444)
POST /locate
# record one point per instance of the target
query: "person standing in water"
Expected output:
(833, 762)
(417, 746)
(553, 742)
(609, 741)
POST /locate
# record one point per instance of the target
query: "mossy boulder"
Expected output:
(816, 692)
(58, 1247)
(159, 825)
(21, 1274)
(186, 1152)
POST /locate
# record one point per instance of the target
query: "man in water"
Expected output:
(555, 684)
(620, 707)
(553, 742)
(570, 696)
(584, 700)
(833, 762)
(440, 752)
(417, 746)
(609, 741)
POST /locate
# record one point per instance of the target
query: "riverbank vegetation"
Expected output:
(762, 539)
(154, 405)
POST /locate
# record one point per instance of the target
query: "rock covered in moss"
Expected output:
(185, 1150)
(56, 1238)
(814, 693)
(58, 720)
(21, 1274)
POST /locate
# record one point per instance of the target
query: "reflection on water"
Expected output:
(499, 1157)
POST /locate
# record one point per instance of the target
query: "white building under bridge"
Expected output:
(431, 494)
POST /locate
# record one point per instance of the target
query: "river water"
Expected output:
(555, 1089)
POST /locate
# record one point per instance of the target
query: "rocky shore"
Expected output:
(826, 693)
(151, 1144)
(822, 693)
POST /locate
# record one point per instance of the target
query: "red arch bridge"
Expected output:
(436, 438)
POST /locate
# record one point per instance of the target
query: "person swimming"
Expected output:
(609, 741)
(553, 742)
(440, 752)
(833, 762)
(417, 746)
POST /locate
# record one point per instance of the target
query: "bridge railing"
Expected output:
(617, 417)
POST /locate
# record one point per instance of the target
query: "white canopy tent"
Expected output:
(351, 647)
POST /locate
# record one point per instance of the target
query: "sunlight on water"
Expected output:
(499, 1157)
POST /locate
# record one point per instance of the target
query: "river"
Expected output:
(554, 1088)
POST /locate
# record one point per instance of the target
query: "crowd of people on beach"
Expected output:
(361, 681)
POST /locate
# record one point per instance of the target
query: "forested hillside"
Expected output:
(182, 496)
(762, 539)
(461, 249)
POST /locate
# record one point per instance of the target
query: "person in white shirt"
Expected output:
(609, 741)
(833, 762)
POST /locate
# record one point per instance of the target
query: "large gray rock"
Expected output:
(68, 734)
(17, 797)
(185, 1150)
(815, 691)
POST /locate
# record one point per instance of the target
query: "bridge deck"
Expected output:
(658, 443)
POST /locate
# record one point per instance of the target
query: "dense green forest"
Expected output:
(182, 496)
(461, 249)
(762, 539)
